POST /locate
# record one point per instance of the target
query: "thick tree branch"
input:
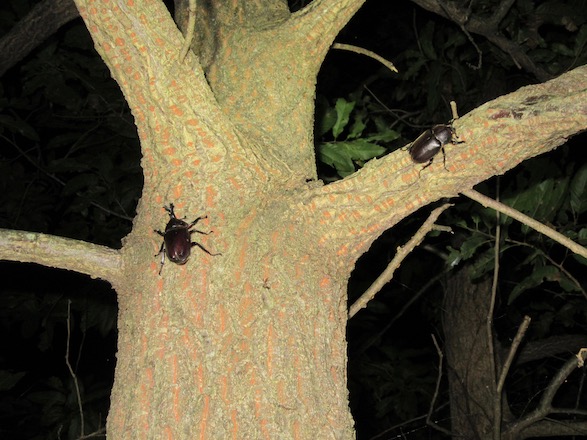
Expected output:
(323, 20)
(63, 253)
(496, 137)
(141, 45)
(41, 22)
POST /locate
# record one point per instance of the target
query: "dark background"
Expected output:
(69, 165)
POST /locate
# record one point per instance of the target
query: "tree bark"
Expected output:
(251, 343)
(472, 386)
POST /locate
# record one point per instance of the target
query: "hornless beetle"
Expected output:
(429, 143)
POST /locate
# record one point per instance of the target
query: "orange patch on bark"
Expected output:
(176, 110)
(205, 415)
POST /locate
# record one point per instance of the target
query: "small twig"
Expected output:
(504, 372)
(429, 422)
(512, 352)
(489, 323)
(74, 377)
(534, 224)
(189, 35)
(545, 404)
(402, 253)
(454, 111)
(366, 52)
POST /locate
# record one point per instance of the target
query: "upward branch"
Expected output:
(176, 113)
(323, 20)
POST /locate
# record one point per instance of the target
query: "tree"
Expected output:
(251, 343)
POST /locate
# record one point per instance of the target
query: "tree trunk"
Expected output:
(251, 343)
(468, 356)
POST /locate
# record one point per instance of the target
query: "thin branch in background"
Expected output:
(98, 433)
(516, 430)
(401, 254)
(511, 354)
(191, 29)
(461, 23)
(366, 52)
(489, 323)
(556, 264)
(373, 339)
(71, 372)
(522, 218)
(64, 184)
(429, 422)
(395, 113)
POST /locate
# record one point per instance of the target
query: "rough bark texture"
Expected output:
(251, 344)
(468, 356)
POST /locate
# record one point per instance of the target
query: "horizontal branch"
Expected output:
(63, 253)
(495, 138)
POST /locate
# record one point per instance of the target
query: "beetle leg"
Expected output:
(197, 220)
(162, 260)
(204, 249)
(161, 250)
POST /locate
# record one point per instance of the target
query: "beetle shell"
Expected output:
(429, 143)
(177, 238)
(177, 243)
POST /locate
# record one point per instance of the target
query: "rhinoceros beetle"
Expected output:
(177, 242)
(429, 143)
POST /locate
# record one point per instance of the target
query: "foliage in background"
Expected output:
(69, 162)
(69, 165)
(392, 375)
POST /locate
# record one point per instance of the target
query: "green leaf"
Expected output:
(330, 154)
(470, 246)
(17, 125)
(341, 155)
(577, 190)
(8, 380)
(357, 126)
(536, 278)
(343, 111)
(325, 116)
